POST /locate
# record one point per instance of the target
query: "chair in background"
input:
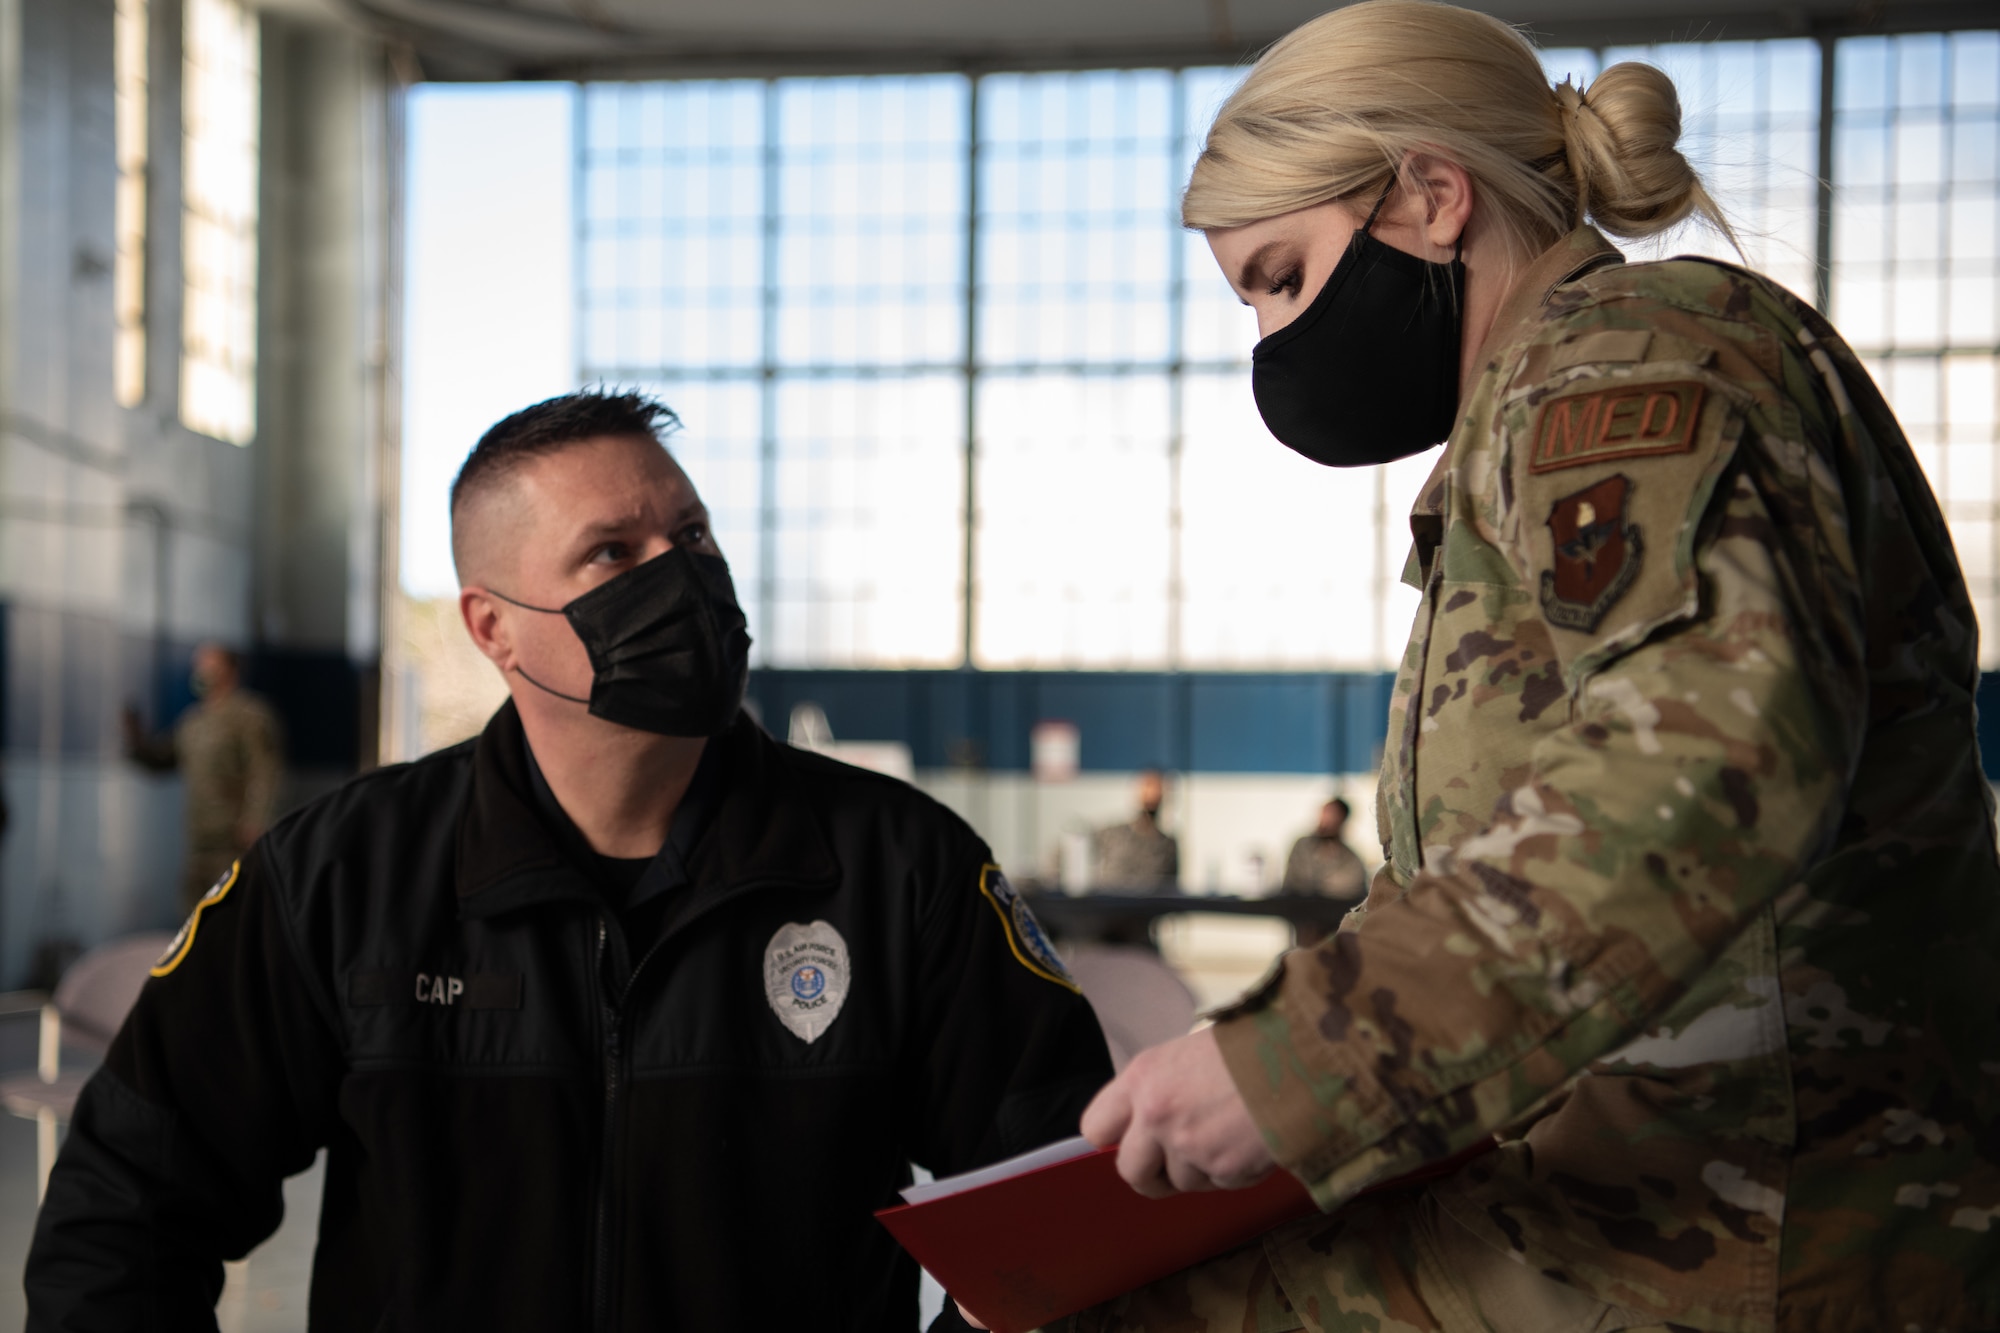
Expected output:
(85, 1013)
(1139, 1000)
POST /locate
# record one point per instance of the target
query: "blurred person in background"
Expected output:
(229, 749)
(1138, 856)
(622, 1015)
(1692, 899)
(1321, 863)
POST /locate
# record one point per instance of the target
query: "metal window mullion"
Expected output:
(1176, 386)
(579, 222)
(767, 369)
(970, 370)
(1823, 191)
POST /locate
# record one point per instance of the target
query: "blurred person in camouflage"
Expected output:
(230, 751)
(1322, 862)
(1691, 901)
(1138, 855)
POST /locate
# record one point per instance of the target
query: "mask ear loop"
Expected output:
(1380, 200)
(547, 611)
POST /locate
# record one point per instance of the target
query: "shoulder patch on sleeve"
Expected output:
(1600, 423)
(1597, 554)
(183, 939)
(1030, 947)
(1601, 345)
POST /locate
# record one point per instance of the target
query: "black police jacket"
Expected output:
(409, 974)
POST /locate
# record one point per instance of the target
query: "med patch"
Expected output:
(1600, 424)
(1597, 554)
(1031, 948)
(183, 940)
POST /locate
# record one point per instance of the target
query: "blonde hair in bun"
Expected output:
(1333, 107)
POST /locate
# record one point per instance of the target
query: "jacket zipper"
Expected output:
(601, 1266)
(614, 1014)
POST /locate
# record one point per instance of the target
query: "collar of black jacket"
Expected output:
(764, 832)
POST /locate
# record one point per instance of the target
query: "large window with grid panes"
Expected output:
(959, 389)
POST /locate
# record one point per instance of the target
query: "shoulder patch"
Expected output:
(1602, 423)
(1597, 554)
(1024, 934)
(183, 939)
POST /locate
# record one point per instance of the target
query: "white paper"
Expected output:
(1048, 1155)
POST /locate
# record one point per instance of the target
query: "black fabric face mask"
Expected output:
(669, 647)
(1368, 373)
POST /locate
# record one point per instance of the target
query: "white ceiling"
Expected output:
(484, 39)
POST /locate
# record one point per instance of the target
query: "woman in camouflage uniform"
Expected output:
(1691, 903)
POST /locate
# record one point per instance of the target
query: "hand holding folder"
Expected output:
(1054, 1231)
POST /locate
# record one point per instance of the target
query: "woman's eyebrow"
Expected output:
(1254, 265)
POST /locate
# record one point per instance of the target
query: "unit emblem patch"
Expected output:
(1597, 554)
(1024, 934)
(183, 940)
(806, 972)
(1598, 424)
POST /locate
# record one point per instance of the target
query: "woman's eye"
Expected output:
(1287, 282)
(694, 534)
(610, 553)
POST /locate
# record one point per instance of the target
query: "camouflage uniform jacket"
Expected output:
(1326, 866)
(1691, 897)
(232, 758)
(1136, 856)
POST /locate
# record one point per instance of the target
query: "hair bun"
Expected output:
(1621, 136)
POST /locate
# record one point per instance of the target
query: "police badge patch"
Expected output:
(806, 971)
(183, 940)
(1024, 933)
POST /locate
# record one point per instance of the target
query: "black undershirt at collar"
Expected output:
(629, 883)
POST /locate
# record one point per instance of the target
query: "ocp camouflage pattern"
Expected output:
(1694, 907)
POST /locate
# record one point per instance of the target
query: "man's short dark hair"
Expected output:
(555, 424)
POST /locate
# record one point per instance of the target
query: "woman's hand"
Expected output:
(1178, 1121)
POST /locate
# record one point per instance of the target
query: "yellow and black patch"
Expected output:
(1599, 424)
(184, 939)
(1024, 934)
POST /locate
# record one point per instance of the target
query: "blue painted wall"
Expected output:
(1191, 722)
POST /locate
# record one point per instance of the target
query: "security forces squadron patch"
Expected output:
(1024, 933)
(1597, 554)
(806, 971)
(183, 940)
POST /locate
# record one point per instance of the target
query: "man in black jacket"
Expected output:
(620, 1016)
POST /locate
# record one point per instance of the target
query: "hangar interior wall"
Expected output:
(125, 538)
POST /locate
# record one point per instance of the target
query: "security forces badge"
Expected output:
(806, 973)
(183, 940)
(1024, 933)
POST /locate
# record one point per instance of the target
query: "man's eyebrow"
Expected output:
(611, 527)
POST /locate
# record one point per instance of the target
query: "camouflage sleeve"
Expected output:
(155, 752)
(264, 765)
(1713, 718)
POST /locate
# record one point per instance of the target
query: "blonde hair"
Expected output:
(1335, 107)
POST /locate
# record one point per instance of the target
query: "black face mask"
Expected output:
(1369, 372)
(669, 647)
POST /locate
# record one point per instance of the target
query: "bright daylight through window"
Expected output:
(960, 389)
(128, 283)
(219, 220)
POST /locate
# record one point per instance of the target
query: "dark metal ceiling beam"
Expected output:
(466, 40)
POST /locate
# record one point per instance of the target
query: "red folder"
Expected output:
(1031, 1248)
